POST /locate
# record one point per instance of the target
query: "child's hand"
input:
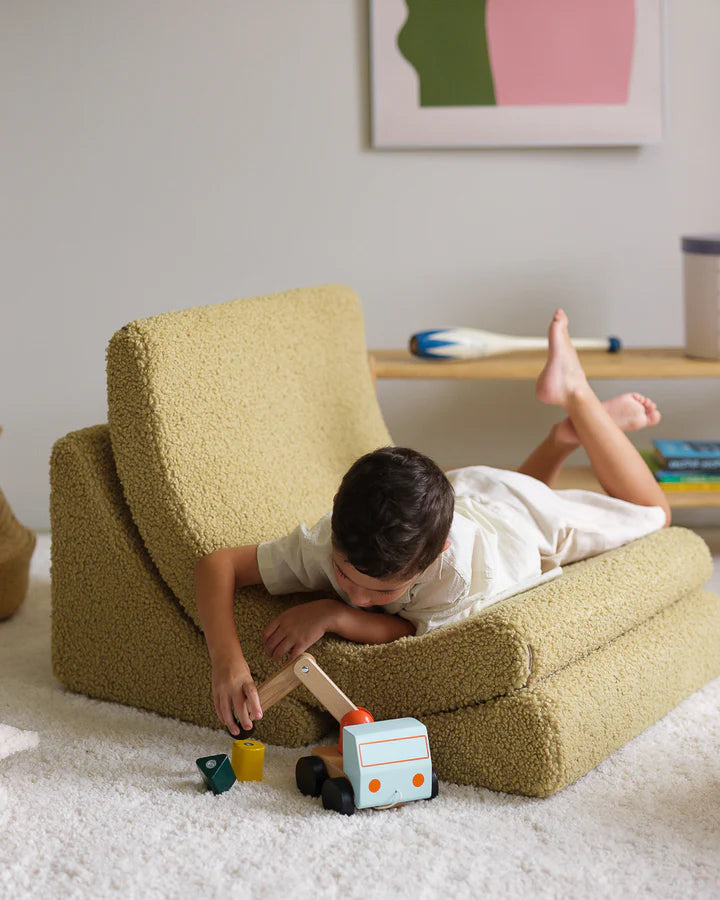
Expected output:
(293, 631)
(234, 691)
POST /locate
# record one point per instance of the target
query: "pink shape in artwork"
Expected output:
(552, 52)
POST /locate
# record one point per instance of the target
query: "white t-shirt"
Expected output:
(509, 533)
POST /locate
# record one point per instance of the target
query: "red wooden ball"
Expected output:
(359, 716)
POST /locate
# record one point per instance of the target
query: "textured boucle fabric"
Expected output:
(538, 740)
(118, 633)
(231, 423)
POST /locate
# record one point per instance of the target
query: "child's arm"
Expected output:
(217, 576)
(296, 629)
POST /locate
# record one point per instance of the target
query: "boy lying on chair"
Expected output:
(408, 548)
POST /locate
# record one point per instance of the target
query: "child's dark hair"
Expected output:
(392, 513)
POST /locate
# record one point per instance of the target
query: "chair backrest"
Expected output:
(232, 423)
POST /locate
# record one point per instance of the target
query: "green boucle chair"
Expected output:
(228, 425)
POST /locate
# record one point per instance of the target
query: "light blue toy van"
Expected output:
(387, 762)
(383, 764)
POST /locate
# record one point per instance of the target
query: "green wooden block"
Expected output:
(217, 772)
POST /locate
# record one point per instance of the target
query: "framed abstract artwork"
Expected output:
(502, 73)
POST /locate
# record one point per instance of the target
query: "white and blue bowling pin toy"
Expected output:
(474, 343)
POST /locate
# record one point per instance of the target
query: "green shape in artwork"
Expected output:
(446, 43)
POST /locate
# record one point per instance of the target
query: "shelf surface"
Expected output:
(526, 365)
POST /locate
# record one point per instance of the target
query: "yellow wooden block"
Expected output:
(247, 760)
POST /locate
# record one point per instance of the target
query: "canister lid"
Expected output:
(701, 243)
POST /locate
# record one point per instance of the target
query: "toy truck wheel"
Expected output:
(310, 775)
(435, 790)
(337, 794)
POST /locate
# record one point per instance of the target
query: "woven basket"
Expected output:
(16, 548)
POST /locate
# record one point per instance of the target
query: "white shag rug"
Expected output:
(98, 800)
(12, 740)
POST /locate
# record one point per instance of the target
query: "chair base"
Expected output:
(538, 740)
(119, 634)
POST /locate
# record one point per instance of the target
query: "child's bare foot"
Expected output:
(631, 412)
(563, 375)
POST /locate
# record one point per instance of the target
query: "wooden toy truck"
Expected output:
(375, 764)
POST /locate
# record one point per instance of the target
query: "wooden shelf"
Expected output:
(525, 365)
(636, 363)
(584, 479)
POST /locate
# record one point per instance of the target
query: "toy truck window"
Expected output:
(394, 750)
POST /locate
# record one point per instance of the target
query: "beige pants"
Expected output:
(568, 525)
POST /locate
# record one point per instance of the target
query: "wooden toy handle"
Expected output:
(322, 686)
(305, 670)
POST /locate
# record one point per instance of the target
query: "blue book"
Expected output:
(693, 478)
(700, 456)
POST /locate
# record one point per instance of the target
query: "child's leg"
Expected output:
(617, 465)
(630, 412)
(546, 460)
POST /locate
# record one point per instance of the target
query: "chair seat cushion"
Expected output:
(521, 640)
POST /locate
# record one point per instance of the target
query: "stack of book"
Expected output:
(685, 465)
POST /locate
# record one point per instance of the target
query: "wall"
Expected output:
(159, 154)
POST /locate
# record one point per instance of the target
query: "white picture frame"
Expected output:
(539, 98)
